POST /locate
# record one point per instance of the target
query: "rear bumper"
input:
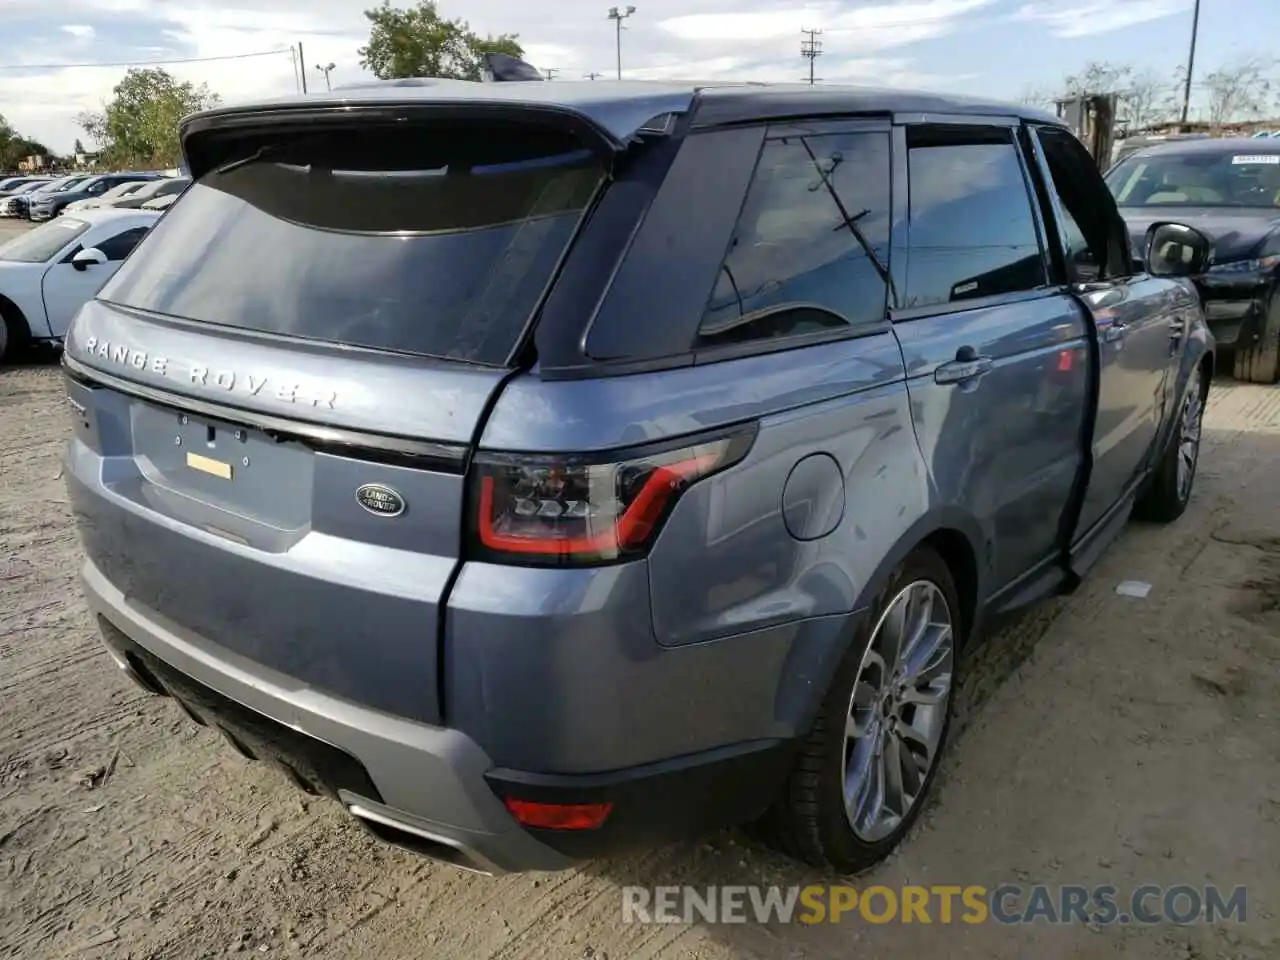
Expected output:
(430, 789)
(425, 778)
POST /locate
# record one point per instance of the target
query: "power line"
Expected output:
(811, 49)
(142, 63)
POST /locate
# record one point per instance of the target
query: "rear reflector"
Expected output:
(559, 816)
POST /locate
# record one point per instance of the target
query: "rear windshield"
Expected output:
(435, 240)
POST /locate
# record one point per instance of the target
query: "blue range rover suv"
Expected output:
(546, 469)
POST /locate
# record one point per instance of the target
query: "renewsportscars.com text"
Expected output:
(937, 904)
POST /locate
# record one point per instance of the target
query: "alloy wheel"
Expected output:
(898, 710)
(1189, 427)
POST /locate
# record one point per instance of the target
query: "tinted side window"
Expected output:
(811, 244)
(1095, 242)
(972, 233)
(122, 244)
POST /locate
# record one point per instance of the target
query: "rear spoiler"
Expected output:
(603, 116)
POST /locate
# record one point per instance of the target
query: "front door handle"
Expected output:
(960, 371)
(1114, 333)
(1177, 328)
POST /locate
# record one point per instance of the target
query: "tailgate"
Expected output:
(319, 551)
(277, 392)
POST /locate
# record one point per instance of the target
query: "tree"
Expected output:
(1097, 77)
(1240, 90)
(14, 147)
(139, 126)
(78, 148)
(419, 42)
(1143, 100)
(1033, 95)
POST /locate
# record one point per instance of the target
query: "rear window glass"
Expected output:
(434, 240)
(42, 242)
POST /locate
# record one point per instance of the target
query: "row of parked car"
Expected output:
(43, 198)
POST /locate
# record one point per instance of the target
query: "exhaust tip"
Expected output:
(421, 842)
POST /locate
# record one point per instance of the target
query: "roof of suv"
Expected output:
(622, 107)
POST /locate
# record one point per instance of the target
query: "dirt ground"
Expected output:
(1104, 739)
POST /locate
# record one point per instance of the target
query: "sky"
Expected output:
(996, 48)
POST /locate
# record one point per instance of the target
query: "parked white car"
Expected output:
(48, 273)
(118, 192)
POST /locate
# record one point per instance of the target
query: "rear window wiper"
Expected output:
(264, 152)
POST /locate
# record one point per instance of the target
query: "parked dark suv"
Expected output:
(543, 469)
(1229, 190)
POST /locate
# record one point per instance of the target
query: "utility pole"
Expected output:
(593, 75)
(550, 72)
(1191, 64)
(302, 67)
(326, 70)
(811, 49)
(617, 15)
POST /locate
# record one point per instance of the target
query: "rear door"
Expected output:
(283, 384)
(1138, 329)
(993, 348)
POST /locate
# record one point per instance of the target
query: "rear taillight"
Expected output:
(573, 511)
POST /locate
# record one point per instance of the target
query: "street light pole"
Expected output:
(1191, 63)
(326, 70)
(617, 15)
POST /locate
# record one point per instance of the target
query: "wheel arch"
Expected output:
(1207, 365)
(950, 532)
(956, 537)
(16, 321)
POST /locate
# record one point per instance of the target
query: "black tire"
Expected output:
(809, 821)
(1260, 362)
(1166, 499)
(14, 334)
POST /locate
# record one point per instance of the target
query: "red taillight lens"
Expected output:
(568, 511)
(559, 816)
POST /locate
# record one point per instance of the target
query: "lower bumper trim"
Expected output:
(415, 839)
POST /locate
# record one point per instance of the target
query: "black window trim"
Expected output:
(899, 242)
(1054, 213)
(142, 229)
(782, 130)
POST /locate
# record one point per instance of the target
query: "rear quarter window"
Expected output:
(809, 252)
(434, 240)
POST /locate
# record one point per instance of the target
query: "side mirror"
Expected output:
(87, 258)
(1176, 250)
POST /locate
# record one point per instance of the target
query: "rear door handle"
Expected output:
(1177, 328)
(960, 371)
(1114, 333)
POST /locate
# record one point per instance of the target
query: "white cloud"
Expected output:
(1098, 16)
(864, 41)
